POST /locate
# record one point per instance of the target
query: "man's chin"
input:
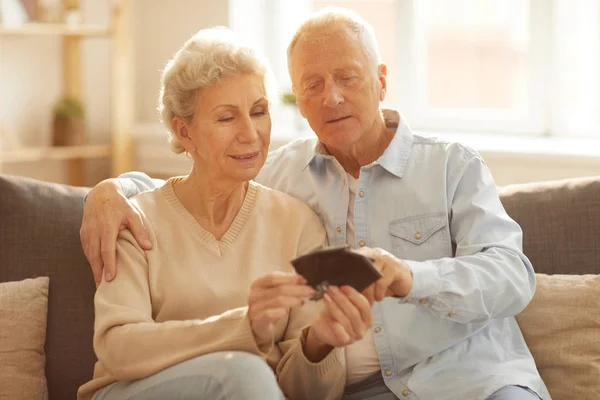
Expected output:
(338, 138)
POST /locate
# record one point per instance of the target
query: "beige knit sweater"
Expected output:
(188, 295)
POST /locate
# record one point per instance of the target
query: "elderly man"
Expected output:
(427, 210)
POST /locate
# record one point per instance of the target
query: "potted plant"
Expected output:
(68, 125)
(73, 16)
(289, 99)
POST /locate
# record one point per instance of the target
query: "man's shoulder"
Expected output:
(287, 162)
(301, 149)
(273, 203)
(452, 150)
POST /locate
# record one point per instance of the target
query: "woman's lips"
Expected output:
(248, 157)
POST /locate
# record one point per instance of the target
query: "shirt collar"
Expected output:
(395, 156)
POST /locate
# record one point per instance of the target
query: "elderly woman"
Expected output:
(196, 316)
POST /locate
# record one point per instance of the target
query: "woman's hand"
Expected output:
(270, 300)
(346, 317)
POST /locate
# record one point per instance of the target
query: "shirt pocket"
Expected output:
(421, 237)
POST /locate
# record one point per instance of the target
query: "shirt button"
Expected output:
(361, 243)
(451, 314)
(423, 300)
(418, 235)
(388, 372)
(339, 229)
(405, 392)
(378, 329)
(361, 194)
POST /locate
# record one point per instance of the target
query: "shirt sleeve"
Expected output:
(131, 345)
(134, 183)
(489, 277)
(298, 377)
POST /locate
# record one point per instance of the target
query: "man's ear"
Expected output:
(382, 76)
(180, 129)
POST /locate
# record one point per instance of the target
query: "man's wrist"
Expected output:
(403, 280)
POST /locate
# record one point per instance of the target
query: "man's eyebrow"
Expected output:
(308, 76)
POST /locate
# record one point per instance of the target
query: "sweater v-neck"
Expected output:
(217, 247)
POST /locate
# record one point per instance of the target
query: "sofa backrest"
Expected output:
(39, 236)
(560, 222)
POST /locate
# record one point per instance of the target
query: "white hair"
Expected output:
(204, 60)
(332, 18)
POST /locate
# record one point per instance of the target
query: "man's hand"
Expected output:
(397, 276)
(271, 298)
(107, 212)
(346, 317)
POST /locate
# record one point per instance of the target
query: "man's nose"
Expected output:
(333, 96)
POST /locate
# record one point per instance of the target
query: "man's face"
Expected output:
(338, 88)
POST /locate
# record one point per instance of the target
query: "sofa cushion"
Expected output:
(23, 312)
(40, 237)
(561, 326)
(561, 224)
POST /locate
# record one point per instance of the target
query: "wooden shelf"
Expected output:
(55, 153)
(43, 29)
(118, 30)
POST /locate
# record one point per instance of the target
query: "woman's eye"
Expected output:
(258, 113)
(225, 119)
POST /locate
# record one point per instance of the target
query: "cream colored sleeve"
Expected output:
(298, 377)
(128, 342)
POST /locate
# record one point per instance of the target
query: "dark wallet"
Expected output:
(336, 266)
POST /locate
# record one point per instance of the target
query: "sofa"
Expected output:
(39, 238)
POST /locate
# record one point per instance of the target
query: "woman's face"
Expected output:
(229, 137)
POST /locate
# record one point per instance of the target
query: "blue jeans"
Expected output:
(374, 388)
(216, 376)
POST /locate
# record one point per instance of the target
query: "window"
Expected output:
(484, 45)
(487, 66)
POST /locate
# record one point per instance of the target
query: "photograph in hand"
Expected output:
(338, 266)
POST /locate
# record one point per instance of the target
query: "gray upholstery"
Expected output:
(39, 236)
(560, 222)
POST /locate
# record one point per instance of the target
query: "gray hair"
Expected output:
(334, 17)
(203, 61)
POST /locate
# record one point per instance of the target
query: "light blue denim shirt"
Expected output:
(433, 204)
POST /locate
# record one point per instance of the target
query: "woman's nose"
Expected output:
(248, 132)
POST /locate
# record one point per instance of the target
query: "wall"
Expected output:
(162, 26)
(31, 79)
(31, 75)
